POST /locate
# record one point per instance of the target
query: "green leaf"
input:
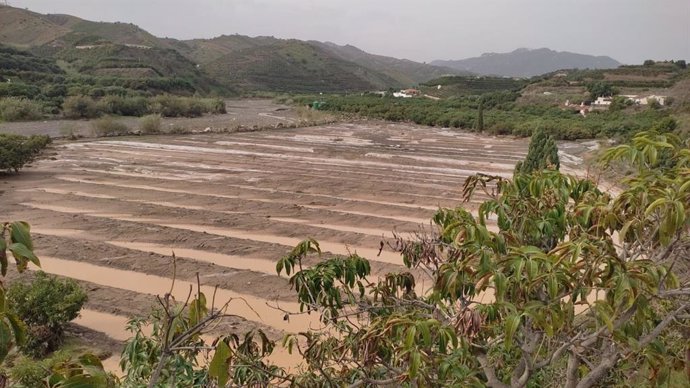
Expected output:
(415, 361)
(5, 340)
(22, 253)
(3, 256)
(18, 327)
(279, 266)
(553, 286)
(511, 326)
(89, 359)
(426, 333)
(81, 381)
(218, 369)
(500, 283)
(409, 339)
(21, 234)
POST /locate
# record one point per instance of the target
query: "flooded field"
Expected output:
(109, 213)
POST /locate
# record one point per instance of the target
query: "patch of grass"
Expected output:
(150, 124)
(313, 116)
(109, 126)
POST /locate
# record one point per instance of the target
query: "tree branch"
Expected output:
(646, 340)
(571, 370)
(491, 379)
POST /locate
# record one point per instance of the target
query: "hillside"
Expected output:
(293, 66)
(404, 71)
(667, 78)
(25, 29)
(203, 51)
(107, 54)
(232, 53)
(229, 62)
(528, 63)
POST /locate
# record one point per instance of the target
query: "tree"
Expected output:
(480, 115)
(600, 89)
(541, 154)
(619, 103)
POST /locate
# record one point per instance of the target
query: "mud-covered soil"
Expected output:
(110, 212)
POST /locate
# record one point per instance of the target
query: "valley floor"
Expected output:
(110, 212)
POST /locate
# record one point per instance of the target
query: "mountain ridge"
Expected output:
(524, 62)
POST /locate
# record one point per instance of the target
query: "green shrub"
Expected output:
(668, 124)
(80, 107)
(172, 106)
(28, 373)
(217, 106)
(16, 109)
(109, 126)
(124, 106)
(17, 150)
(150, 124)
(45, 306)
(19, 90)
(61, 369)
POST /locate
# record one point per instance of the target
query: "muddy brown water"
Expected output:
(239, 202)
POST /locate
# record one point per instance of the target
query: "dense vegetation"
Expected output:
(465, 85)
(502, 115)
(78, 107)
(33, 87)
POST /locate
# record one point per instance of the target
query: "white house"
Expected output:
(645, 100)
(603, 101)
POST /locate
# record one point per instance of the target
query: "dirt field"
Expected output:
(109, 212)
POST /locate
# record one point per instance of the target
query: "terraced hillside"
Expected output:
(110, 212)
(235, 62)
(293, 66)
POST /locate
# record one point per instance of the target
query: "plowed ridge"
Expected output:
(109, 211)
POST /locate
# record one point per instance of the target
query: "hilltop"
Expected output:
(226, 64)
(528, 63)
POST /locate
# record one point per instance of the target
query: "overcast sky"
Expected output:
(423, 30)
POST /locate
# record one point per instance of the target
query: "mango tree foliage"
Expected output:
(15, 237)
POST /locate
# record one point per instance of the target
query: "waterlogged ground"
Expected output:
(110, 212)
